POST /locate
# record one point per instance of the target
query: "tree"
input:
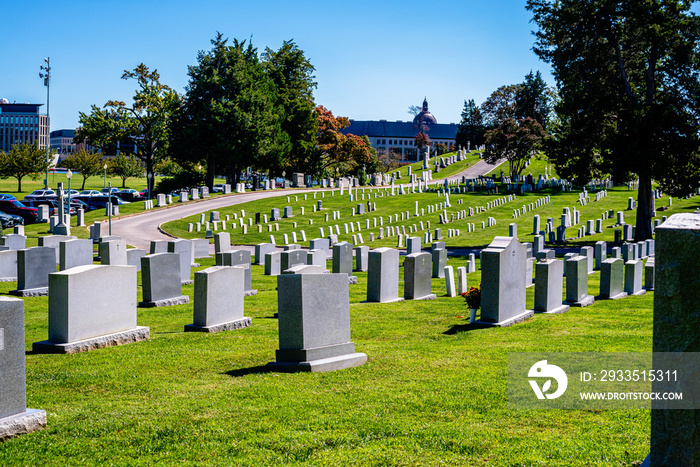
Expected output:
(25, 159)
(422, 141)
(229, 111)
(471, 128)
(125, 166)
(627, 74)
(86, 163)
(346, 153)
(292, 75)
(515, 140)
(145, 124)
(500, 105)
(532, 99)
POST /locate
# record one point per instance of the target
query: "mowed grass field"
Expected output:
(433, 391)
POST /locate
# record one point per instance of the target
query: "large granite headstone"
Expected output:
(417, 272)
(612, 271)
(184, 249)
(261, 249)
(342, 260)
(85, 315)
(675, 434)
(15, 417)
(240, 258)
(75, 252)
(383, 276)
(33, 268)
(160, 280)
(549, 286)
(218, 300)
(503, 271)
(577, 282)
(314, 324)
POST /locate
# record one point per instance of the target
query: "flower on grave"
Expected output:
(473, 297)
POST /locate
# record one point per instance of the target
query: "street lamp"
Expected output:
(69, 175)
(45, 74)
(105, 181)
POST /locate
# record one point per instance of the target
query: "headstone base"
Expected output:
(140, 333)
(555, 311)
(250, 293)
(29, 421)
(181, 300)
(585, 301)
(324, 364)
(399, 299)
(527, 314)
(648, 289)
(195, 265)
(187, 282)
(14, 279)
(229, 326)
(352, 279)
(431, 296)
(641, 292)
(40, 292)
(614, 297)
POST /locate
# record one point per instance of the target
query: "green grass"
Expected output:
(433, 391)
(471, 158)
(388, 205)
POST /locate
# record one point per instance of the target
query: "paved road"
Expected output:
(139, 230)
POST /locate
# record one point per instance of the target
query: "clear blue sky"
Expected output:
(373, 58)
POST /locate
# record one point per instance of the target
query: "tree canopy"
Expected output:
(25, 159)
(627, 73)
(144, 124)
(125, 166)
(228, 118)
(86, 163)
(514, 140)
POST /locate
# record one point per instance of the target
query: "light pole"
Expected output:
(69, 175)
(45, 74)
(105, 181)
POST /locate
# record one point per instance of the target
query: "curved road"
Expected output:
(138, 230)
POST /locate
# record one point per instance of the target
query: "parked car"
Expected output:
(6, 196)
(17, 208)
(51, 203)
(72, 193)
(40, 194)
(129, 194)
(78, 204)
(99, 202)
(144, 192)
(9, 220)
(105, 191)
(90, 193)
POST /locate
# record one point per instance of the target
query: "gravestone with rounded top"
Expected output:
(85, 315)
(218, 300)
(161, 281)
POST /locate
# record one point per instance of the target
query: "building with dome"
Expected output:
(398, 136)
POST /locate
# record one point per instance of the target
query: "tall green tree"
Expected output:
(228, 118)
(24, 160)
(471, 128)
(86, 163)
(532, 99)
(292, 75)
(627, 74)
(125, 166)
(143, 124)
(514, 140)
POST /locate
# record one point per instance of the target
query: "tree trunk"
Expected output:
(83, 187)
(19, 184)
(644, 209)
(124, 181)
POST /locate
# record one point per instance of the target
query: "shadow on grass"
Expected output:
(256, 370)
(457, 328)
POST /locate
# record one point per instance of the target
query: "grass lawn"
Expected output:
(471, 158)
(433, 391)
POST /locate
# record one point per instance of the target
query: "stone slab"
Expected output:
(505, 323)
(140, 333)
(39, 292)
(555, 311)
(317, 366)
(181, 300)
(28, 421)
(584, 301)
(230, 326)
